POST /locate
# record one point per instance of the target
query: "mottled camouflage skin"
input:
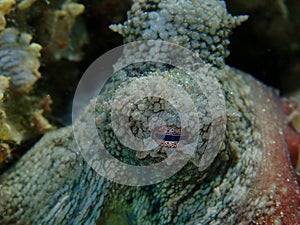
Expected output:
(52, 184)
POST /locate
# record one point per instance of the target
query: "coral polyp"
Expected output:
(19, 59)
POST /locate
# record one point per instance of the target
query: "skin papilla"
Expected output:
(251, 180)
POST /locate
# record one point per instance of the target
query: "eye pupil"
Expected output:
(169, 136)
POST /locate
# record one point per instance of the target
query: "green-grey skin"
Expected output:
(52, 184)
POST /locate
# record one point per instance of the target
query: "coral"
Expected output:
(5, 7)
(57, 33)
(19, 59)
(53, 27)
(23, 106)
(25, 4)
(21, 117)
(58, 27)
(198, 25)
(4, 84)
(4, 152)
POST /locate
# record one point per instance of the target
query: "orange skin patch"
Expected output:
(277, 179)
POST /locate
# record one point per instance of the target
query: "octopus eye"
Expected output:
(170, 136)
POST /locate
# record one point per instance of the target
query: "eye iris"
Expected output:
(169, 136)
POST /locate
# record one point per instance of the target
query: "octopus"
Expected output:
(244, 177)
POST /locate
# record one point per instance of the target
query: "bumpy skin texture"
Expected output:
(53, 185)
(250, 182)
(203, 26)
(50, 185)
